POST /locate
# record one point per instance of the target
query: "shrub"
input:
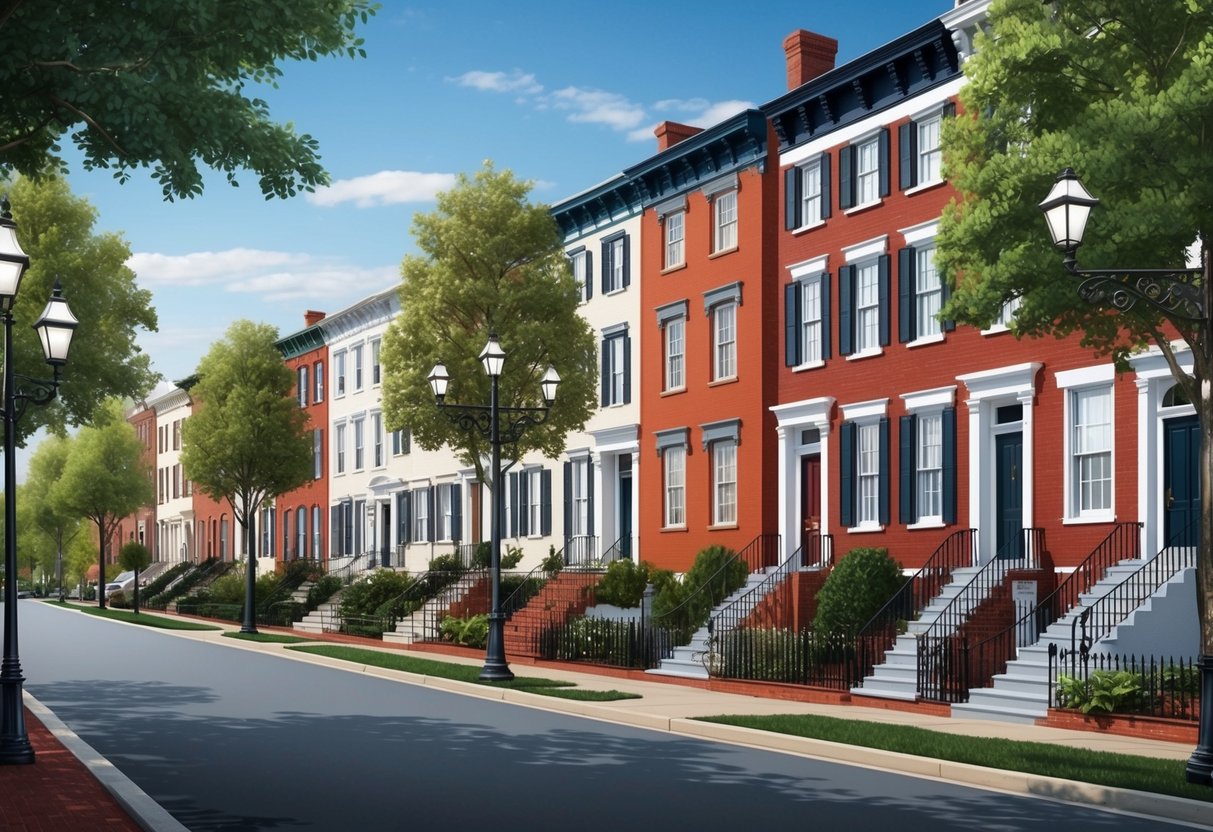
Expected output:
(1105, 692)
(446, 563)
(684, 607)
(366, 598)
(322, 590)
(623, 584)
(164, 579)
(511, 556)
(856, 589)
(470, 632)
(554, 562)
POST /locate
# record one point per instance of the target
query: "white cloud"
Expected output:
(516, 81)
(697, 112)
(201, 268)
(598, 107)
(387, 187)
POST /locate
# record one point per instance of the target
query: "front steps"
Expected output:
(688, 661)
(456, 600)
(326, 618)
(562, 597)
(1021, 694)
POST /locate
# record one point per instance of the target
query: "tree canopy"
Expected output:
(1118, 90)
(44, 522)
(105, 478)
(165, 84)
(56, 230)
(491, 261)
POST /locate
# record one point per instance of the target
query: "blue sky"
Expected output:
(562, 95)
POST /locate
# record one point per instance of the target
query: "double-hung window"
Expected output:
(863, 300)
(1088, 443)
(578, 496)
(318, 380)
(376, 372)
(401, 442)
(921, 292)
(672, 446)
(318, 453)
(581, 262)
(675, 354)
(920, 159)
(616, 365)
(807, 193)
(421, 502)
(317, 534)
(377, 439)
(616, 265)
(534, 504)
(724, 341)
(301, 385)
(863, 171)
(806, 302)
(359, 458)
(339, 374)
(339, 449)
(864, 466)
(444, 510)
(926, 458)
(724, 483)
(675, 237)
(356, 358)
(724, 225)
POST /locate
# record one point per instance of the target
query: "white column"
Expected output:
(977, 476)
(784, 492)
(635, 503)
(1026, 399)
(602, 498)
(1147, 469)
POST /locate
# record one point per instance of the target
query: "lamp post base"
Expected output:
(1200, 765)
(496, 669)
(15, 748)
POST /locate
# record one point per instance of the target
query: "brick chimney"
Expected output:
(670, 133)
(809, 55)
(312, 317)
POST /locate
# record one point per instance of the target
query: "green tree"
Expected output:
(56, 230)
(247, 440)
(491, 261)
(135, 557)
(49, 518)
(164, 85)
(855, 590)
(77, 558)
(105, 478)
(1121, 91)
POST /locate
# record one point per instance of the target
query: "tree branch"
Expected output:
(90, 122)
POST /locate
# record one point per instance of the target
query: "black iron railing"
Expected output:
(817, 551)
(761, 552)
(988, 658)
(621, 549)
(775, 593)
(632, 642)
(957, 550)
(473, 582)
(1096, 683)
(581, 551)
(943, 657)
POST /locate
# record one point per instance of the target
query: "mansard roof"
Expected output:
(301, 342)
(905, 67)
(615, 199)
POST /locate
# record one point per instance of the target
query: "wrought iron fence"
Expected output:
(632, 642)
(799, 657)
(1146, 685)
(581, 551)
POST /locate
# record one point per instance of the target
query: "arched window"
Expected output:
(223, 537)
(1176, 396)
(287, 554)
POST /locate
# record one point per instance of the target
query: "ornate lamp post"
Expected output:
(1185, 297)
(488, 421)
(55, 329)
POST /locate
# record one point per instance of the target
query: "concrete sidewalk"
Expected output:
(664, 706)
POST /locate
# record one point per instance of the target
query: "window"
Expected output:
(359, 458)
(807, 193)
(177, 435)
(724, 483)
(675, 354)
(301, 386)
(1091, 451)
(317, 534)
(267, 532)
(318, 453)
(616, 366)
(578, 472)
(444, 512)
(921, 294)
(674, 473)
(286, 534)
(807, 319)
(616, 265)
(724, 212)
(422, 500)
(920, 159)
(864, 466)
(301, 532)
(339, 374)
(356, 358)
(724, 341)
(401, 440)
(927, 459)
(581, 261)
(675, 234)
(533, 504)
(529, 498)
(863, 171)
(318, 380)
(339, 449)
(376, 372)
(1006, 315)
(863, 306)
(377, 438)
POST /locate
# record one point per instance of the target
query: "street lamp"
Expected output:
(487, 420)
(55, 329)
(1184, 297)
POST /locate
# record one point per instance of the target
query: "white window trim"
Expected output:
(997, 328)
(682, 241)
(822, 197)
(864, 413)
(800, 280)
(665, 356)
(1069, 382)
(665, 488)
(717, 522)
(717, 246)
(340, 380)
(866, 250)
(926, 115)
(716, 344)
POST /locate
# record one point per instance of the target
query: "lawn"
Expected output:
(1103, 768)
(463, 673)
(267, 638)
(146, 620)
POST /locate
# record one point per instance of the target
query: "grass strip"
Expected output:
(460, 672)
(267, 638)
(1124, 771)
(147, 620)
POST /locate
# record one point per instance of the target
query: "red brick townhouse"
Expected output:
(141, 525)
(708, 347)
(895, 429)
(294, 526)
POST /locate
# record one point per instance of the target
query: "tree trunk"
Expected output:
(250, 572)
(101, 566)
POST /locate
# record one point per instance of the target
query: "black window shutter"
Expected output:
(359, 527)
(949, 109)
(545, 501)
(846, 177)
(907, 151)
(431, 521)
(627, 261)
(906, 467)
(402, 517)
(606, 266)
(949, 464)
(791, 198)
(568, 503)
(884, 471)
(627, 369)
(589, 274)
(347, 523)
(791, 328)
(513, 530)
(825, 185)
(906, 319)
(882, 278)
(456, 512)
(846, 472)
(825, 315)
(524, 504)
(883, 147)
(335, 547)
(606, 372)
(846, 294)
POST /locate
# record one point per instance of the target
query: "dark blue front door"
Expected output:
(1181, 480)
(1008, 500)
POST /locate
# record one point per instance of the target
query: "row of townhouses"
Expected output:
(765, 294)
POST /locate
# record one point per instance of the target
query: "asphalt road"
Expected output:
(227, 739)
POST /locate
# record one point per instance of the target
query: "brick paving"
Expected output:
(57, 793)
